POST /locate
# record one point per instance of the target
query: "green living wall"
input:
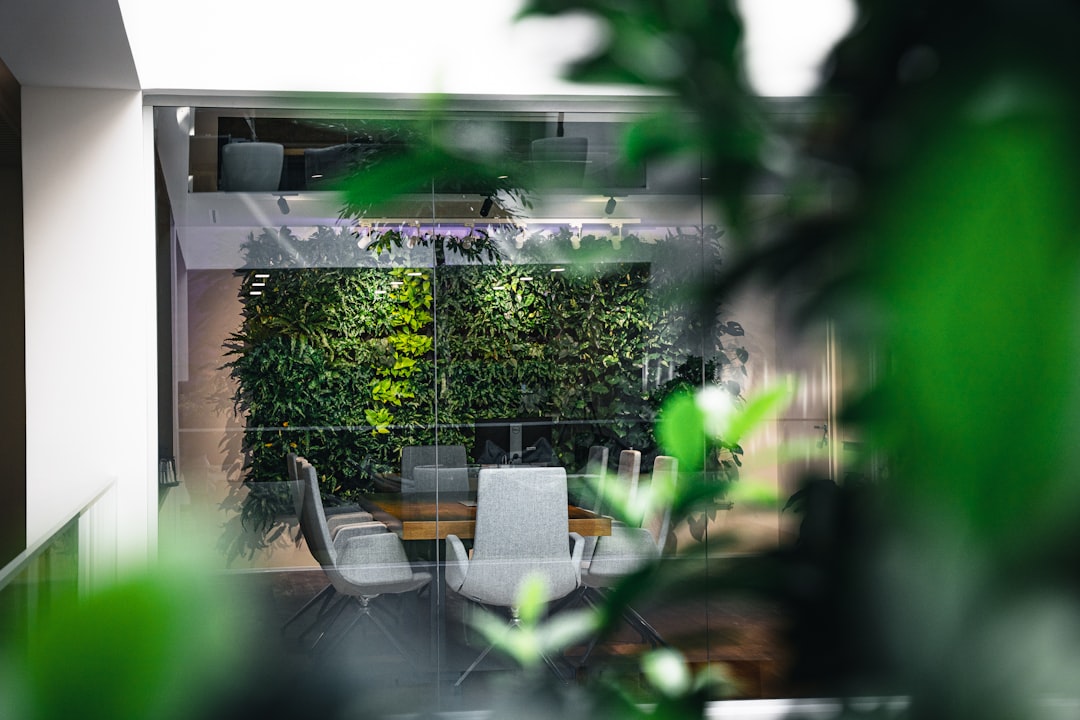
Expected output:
(337, 362)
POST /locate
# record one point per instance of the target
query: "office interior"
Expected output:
(130, 230)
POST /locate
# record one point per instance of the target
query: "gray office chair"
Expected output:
(522, 530)
(627, 475)
(627, 550)
(343, 516)
(360, 566)
(432, 478)
(596, 469)
(360, 522)
(624, 485)
(447, 456)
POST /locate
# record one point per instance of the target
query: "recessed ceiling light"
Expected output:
(255, 292)
(525, 279)
(558, 269)
(262, 275)
(258, 284)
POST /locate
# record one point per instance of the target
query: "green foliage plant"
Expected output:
(337, 363)
(932, 218)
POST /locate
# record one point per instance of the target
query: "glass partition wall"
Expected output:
(351, 285)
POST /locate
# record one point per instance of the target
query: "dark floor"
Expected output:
(740, 638)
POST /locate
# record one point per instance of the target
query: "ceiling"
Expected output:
(468, 47)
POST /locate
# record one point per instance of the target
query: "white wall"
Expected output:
(90, 278)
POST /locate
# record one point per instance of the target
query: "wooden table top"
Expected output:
(425, 516)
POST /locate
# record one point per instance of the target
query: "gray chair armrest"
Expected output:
(623, 552)
(457, 562)
(577, 552)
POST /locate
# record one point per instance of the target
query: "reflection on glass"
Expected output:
(502, 283)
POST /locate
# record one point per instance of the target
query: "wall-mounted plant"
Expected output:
(338, 363)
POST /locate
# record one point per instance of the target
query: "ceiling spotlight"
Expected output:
(282, 205)
(485, 209)
(610, 207)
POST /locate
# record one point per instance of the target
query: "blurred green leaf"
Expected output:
(759, 407)
(979, 253)
(681, 430)
(151, 646)
(531, 600)
(666, 670)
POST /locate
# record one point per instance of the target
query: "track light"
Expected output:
(610, 207)
(283, 206)
(616, 236)
(485, 209)
(363, 238)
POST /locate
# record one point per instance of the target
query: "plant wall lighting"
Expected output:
(364, 238)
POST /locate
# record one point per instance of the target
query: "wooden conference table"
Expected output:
(433, 516)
